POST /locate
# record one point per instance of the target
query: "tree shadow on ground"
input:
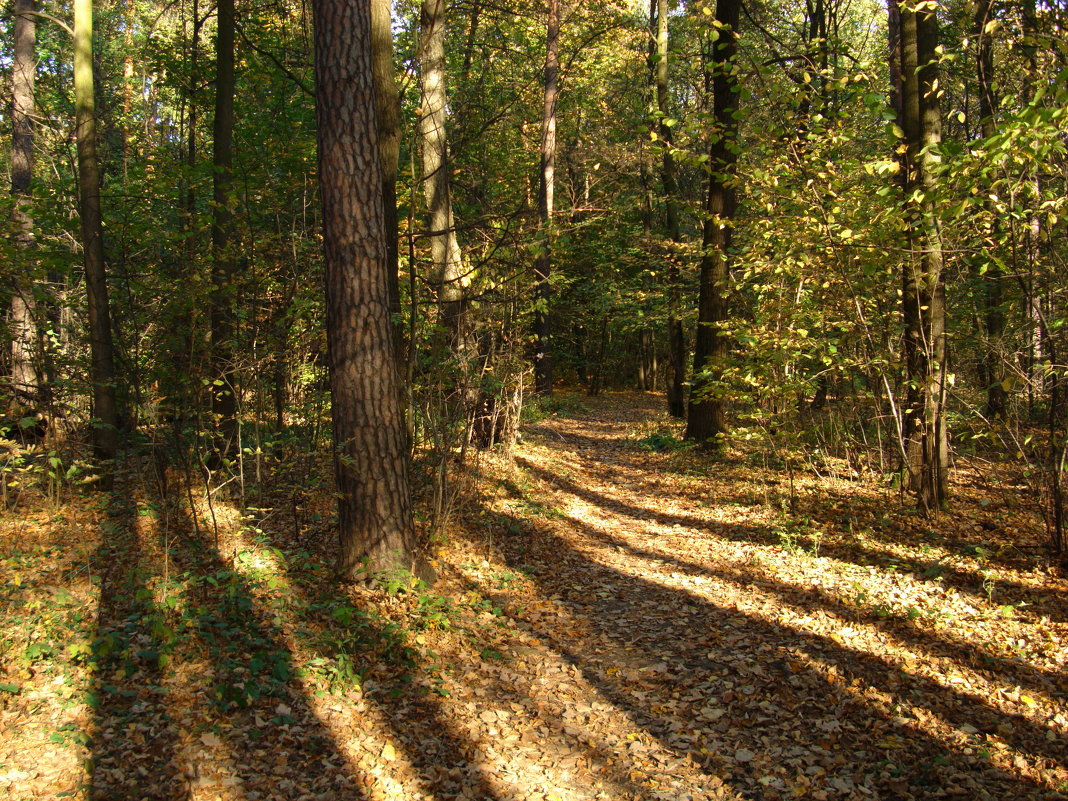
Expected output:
(133, 739)
(446, 763)
(943, 644)
(255, 735)
(1051, 604)
(828, 713)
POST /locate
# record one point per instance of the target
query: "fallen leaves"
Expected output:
(611, 623)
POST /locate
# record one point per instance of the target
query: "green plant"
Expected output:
(989, 584)
(537, 409)
(432, 612)
(792, 534)
(658, 442)
(398, 581)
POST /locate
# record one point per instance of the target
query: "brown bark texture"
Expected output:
(374, 507)
(914, 38)
(25, 343)
(223, 234)
(707, 413)
(387, 111)
(102, 353)
(676, 389)
(543, 368)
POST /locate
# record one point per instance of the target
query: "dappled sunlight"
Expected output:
(610, 622)
(895, 636)
(49, 591)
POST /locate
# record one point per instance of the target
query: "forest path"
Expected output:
(612, 622)
(712, 645)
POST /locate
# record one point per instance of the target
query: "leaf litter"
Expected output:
(612, 621)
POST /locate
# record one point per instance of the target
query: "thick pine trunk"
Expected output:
(371, 452)
(223, 244)
(102, 353)
(543, 369)
(707, 418)
(914, 37)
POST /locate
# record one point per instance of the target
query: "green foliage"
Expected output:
(562, 404)
(659, 442)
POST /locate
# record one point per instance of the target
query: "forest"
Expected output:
(534, 400)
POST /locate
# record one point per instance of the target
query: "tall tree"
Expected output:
(437, 178)
(374, 507)
(223, 232)
(914, 57)
(676, 392)
(25, 381)
(707, 417)
(102, 351)
(181, 345)
(387, 111)
(543, 371)
(994, 312)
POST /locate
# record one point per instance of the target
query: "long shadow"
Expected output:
(1052, 605)
(610, 439)
(133, 735)
(446, 762)
(614, 505)
(256, 733)
(761, 662)
(608, 760)
(273, 742)
(943, 645)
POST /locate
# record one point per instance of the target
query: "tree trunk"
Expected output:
(643, 360)
(543, 370)
(994, 311)
(676, 393)
(707, 418)
(387, 111)
(25, 342)
(923, 281)
(224, 265)
(371, 453)
(178, 382)
(437, 179)
(102, 352)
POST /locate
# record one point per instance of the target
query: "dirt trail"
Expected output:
(729, 665)
(611, 623)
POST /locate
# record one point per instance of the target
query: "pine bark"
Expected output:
(25, 343)
(914, 38)
(543, 368)
(102, 351)
(707, 412)
(374, 510)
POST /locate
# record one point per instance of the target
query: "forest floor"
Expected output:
(616, 618)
